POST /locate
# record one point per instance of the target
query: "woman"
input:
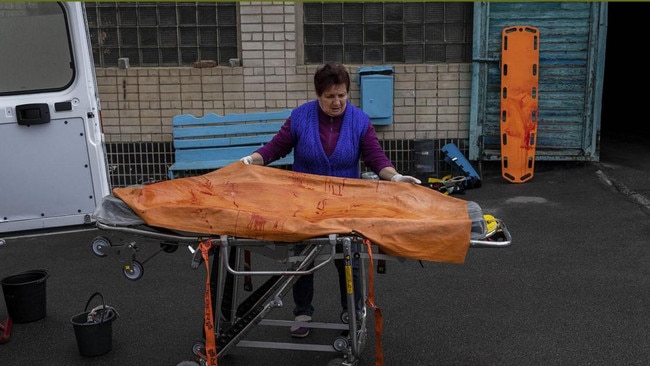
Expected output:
(329, 136)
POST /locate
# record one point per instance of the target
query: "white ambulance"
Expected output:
(52, 157)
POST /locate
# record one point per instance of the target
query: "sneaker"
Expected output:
(298, 331)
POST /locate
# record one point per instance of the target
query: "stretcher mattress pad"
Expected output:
(257, 202)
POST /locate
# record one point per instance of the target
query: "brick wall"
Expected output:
(430, 101)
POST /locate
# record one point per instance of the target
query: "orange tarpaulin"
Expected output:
(257, 202)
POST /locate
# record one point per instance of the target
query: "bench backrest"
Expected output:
(214, 141)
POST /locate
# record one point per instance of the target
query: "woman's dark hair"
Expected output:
(330, 74)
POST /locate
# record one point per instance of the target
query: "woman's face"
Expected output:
(333, 100)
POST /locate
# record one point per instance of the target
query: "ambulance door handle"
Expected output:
(33, 114)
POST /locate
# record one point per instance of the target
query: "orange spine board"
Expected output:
(518, 119)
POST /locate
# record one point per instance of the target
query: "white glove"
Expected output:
(248, 160)
(405, 179)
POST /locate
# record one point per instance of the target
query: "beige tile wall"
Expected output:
(430, 101)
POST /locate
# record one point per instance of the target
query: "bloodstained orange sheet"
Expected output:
(272, 204)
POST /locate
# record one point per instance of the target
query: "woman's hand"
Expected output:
(405, 178)
(253, 159)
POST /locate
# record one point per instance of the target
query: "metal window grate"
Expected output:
(376, 33)
(132, 163)
(162, 34)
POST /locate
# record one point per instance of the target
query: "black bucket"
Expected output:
(25, 295)
(94, 333)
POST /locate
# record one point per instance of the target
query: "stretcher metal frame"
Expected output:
(232, 326)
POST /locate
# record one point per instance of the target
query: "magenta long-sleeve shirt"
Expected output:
(329, 128)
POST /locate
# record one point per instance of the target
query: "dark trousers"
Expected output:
(303, 289)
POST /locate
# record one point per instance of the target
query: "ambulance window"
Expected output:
(35, 54)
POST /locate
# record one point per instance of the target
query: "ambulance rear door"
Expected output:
(52, 158)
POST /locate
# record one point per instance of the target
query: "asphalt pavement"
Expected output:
(572, 289)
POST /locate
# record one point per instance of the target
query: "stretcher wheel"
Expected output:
(99, 244)
(341, 343)
(345, 317)
(133, 271)
(199, 349)
(168, 248)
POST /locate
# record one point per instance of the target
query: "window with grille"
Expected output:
(162, 33)
(376, 33)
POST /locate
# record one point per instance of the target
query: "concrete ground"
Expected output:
(572, 289)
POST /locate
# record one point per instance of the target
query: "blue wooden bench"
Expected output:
(213, 141)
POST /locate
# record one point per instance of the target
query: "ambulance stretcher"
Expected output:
(228, 323)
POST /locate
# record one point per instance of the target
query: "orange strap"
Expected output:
(208, 325)
(379, 353)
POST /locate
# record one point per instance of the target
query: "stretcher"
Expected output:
(519, 102)
(228, 321)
